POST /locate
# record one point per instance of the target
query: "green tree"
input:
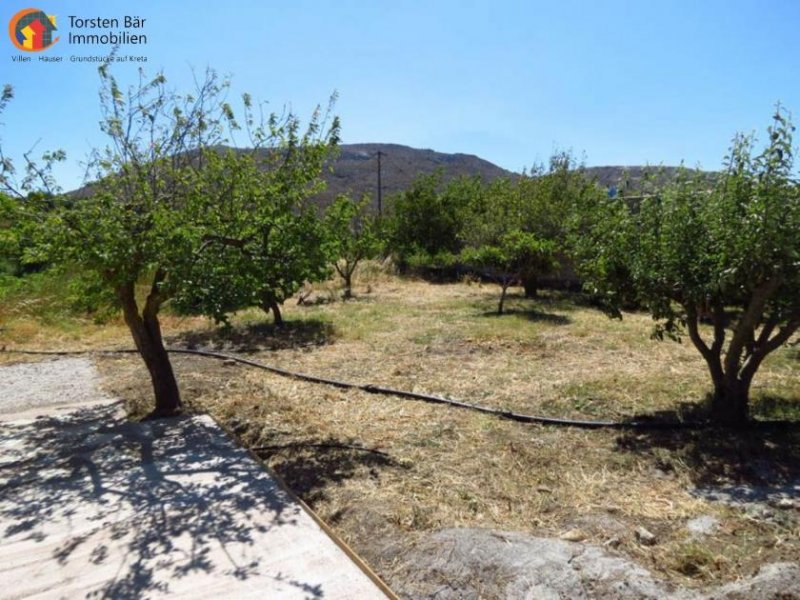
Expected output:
(547, 199)
(24, 197)
(264, 239)
(728, 253)
(429, 218)
(354, 235)
(153, 214)
(538, 202)
(517, 253)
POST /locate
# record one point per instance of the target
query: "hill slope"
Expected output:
(355, 170)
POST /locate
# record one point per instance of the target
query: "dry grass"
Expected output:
(430, 466)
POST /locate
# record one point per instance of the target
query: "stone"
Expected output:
(784, 503)
(573, 535)
(703, 525)
(771, 582)
(480, 563)
(645, 537)
(457, 564)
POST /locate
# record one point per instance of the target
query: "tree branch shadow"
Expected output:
(310, 468)
(139, 508)
(531, 315)
(765, 455)
(306, 333)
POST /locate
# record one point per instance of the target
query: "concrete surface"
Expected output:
(92, 506)
(61, 382)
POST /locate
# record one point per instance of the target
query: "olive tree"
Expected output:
(727, 253)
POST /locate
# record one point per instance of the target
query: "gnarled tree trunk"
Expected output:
(146, 332)
(753, 337)
(346, 268)
(730, 402)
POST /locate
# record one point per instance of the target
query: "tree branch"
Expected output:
(718, 317)
(768, 346)
(748, 322)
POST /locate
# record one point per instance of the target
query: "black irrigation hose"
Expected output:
(375, 389)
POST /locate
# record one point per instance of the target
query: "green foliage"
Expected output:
(728, 253)
(432, 222)
(354, 236)
(442, 260)
(52, 296)
(214, 229)
(208, 228)
(539, 203)
(261, 241)
(517, 254)
(428, 219)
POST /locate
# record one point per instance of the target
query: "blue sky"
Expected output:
(620, 82)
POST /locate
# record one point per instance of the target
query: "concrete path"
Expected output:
(92, 506)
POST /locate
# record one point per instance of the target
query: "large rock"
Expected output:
(778, 581)
(461, 564)
(468, 564)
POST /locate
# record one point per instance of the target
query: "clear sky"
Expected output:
(621, 82)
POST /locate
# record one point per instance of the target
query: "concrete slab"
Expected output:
(92, 506)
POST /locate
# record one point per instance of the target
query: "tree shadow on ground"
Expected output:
(765, 455)
(337, 298)
(308, 333)
(309, 468)
(534, 315)
(776, 407)
(135, 509)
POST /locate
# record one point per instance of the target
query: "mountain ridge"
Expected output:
(354, 171)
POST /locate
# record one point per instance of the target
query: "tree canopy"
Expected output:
(354, 235)
(172, 215)
(726, 253)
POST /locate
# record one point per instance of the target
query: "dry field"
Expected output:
(382, 470)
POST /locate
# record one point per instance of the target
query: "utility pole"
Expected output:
(380, 188)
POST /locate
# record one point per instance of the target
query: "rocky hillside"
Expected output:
(355, 171)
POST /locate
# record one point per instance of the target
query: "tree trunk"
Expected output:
(348, 285)
(730, 403)
(502, 299)
(530, 287)
(269, 304)
(146, 332)
(276, 313)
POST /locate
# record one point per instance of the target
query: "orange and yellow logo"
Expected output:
(32, 30)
